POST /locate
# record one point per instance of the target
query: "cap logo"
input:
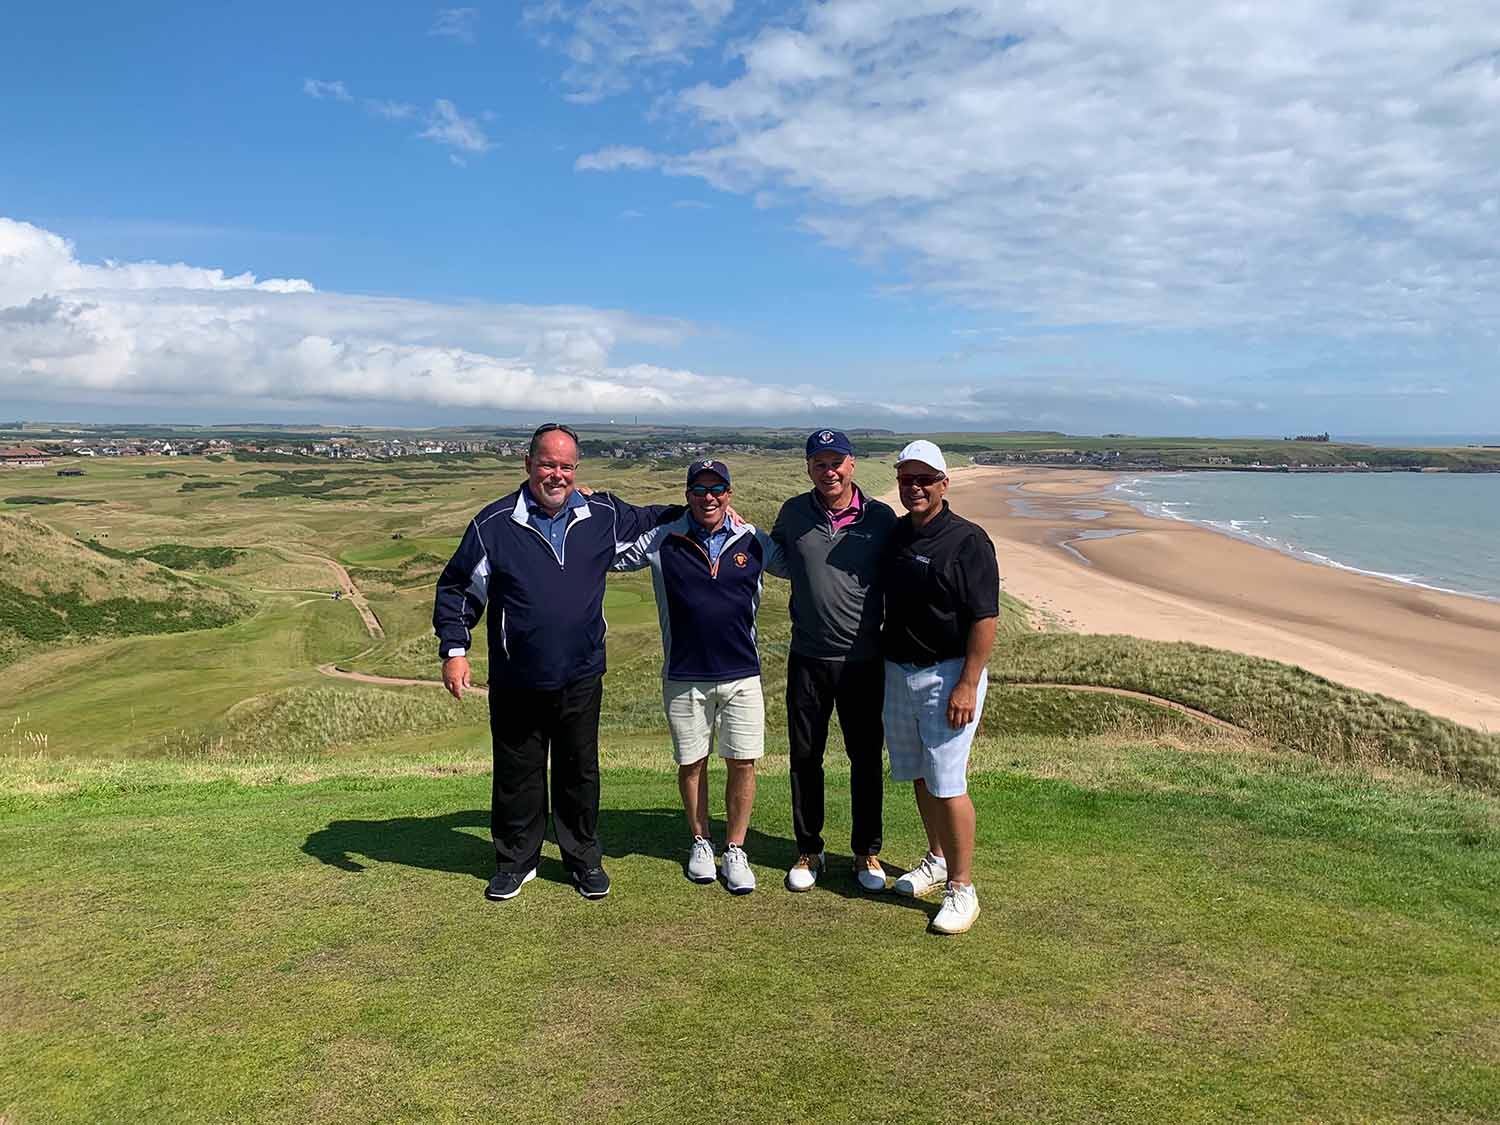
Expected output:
(825, 436)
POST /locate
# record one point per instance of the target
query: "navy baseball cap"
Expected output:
(707, 467)
(829, 441)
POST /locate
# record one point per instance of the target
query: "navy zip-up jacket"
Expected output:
(707, 610)
(546, 625)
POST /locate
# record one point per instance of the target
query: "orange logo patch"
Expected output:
(740, 558)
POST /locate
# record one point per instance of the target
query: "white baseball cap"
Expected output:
(924, 451)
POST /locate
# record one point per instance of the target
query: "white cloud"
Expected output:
(609, 42)
(1185, 164)
(443, 124)
(455, 23)
(615, 157)
(183, 335)
(315, 88)
(390, 110)
(448, 127)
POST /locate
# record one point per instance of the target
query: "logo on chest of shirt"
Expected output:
(741, 559)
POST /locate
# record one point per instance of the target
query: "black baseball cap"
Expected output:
(707, 467)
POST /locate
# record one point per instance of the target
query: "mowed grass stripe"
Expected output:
(1192, 946)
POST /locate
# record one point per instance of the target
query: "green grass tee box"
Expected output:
(1202, 937)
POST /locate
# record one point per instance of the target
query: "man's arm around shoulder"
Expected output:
(638, 554)
(773, 558)
(632, 521)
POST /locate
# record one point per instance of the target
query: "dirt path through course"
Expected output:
(1180, 708)
(346, 585)
(388, 681)
(1169, 704)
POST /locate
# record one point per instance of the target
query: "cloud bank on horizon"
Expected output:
(149, 332)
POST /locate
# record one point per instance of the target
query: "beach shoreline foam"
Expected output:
(1086, 558)
(1252, 531)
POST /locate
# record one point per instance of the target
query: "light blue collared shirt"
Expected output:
(711, 541)
(553, 528)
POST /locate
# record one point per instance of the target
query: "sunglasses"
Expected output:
(919, 480)
(707, 489)
(548, 427)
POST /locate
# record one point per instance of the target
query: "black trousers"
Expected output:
(813, 689)
(525, 725)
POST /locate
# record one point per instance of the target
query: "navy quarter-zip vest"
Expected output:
(707, 610)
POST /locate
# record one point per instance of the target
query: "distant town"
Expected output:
(43, 453)
(71, 448)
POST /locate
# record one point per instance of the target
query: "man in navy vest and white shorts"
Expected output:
(707, 567)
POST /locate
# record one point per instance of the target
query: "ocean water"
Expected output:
(1421, 441)
(1440, 530)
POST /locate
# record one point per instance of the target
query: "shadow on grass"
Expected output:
(446, 843)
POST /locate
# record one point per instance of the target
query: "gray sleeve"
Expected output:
(637, 555)
(775, 558)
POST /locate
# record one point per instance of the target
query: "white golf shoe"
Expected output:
(960, 908)
(700, 864)
(804, 873)
(869, 874)
(924, 878)
(737, 874)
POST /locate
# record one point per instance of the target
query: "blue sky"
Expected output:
(1189, 218)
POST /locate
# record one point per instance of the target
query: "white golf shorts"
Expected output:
(727, 714)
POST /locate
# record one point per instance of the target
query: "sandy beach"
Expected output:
(1169, 580)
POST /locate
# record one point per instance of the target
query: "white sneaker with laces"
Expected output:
(804, 873)
(700, 864)
(869, 874)
(925, 877)
(960, 908)
(737, 874)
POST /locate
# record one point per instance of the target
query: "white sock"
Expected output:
(937, 860)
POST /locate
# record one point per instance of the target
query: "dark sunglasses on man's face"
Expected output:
(707, 489)
(918, 480)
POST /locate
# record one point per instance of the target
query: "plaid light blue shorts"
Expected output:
(917, 734)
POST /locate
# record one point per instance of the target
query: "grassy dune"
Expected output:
(54, 590)
(1282, 704)
(236, 889)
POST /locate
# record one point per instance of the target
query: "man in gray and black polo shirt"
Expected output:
(831, 540)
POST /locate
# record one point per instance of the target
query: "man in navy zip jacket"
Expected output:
(706, 568)
(538, 558)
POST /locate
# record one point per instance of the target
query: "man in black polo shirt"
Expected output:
(942, 601)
